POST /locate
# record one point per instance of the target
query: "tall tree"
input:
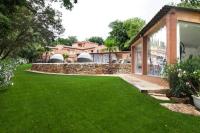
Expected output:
(96, 39)
(25, 22)
(111, 46)
(133, 26)
(118, 33)
(124, 31)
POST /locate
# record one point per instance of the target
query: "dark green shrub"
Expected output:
(184, 77)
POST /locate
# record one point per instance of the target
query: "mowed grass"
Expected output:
(41, 103)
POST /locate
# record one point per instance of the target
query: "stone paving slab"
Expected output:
(142, 85)
(158, 96)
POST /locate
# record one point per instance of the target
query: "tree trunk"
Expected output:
(109, 58)
(110, 63)
(5, 55)
(46, 57)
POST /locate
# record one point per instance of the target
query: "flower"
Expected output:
(188, 84)
(195, 72)
(179, 75)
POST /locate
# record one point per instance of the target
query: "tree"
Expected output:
(118, 33)
(124, 31)
(133, 26)
(65, 41)
(189, 3)
(26, 22)
(46, 50)
(110, 43)
(31, 52)
(72, 39)
(96, 39)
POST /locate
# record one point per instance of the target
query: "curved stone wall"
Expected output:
(80, 68)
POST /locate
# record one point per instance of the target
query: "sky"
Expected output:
(92, 17)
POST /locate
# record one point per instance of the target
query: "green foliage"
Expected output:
(7, 68)
(32, 52)
(65, 41)
(65, 56)
(118, 33)
(184, 77)
(27, 22)
(96, 39)
(133, 26)
(6, 73)
(124, 31)
(190, 4)
(111, 45)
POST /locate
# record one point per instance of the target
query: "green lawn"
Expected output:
(80, 104)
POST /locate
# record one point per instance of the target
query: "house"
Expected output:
(98, 52)
(118, 57)
(76, 49)
(173, 34)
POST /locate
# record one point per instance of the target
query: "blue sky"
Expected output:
(92, 17)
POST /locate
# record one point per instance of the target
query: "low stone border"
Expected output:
(82, 68)
(182, 108)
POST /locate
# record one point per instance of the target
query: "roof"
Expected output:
(160, 15)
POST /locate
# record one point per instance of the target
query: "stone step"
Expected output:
(159, 96)
(161, 91)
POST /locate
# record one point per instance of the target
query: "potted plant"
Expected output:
(196, 100)
(195, 88)
(184, 80)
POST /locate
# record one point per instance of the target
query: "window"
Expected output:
(188, 40)
(156, 49)
(138, 58)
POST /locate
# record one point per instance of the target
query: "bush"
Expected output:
(7, 68)
(184, 78)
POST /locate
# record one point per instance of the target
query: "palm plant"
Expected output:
(46, 49)
(111, 47)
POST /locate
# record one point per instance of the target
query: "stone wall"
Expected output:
(80, 68)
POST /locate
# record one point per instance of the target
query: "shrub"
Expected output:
(184, 77)
(7, 68)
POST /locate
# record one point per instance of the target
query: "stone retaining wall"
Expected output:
(80, 68)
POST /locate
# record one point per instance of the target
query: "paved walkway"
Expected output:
(142, 85)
